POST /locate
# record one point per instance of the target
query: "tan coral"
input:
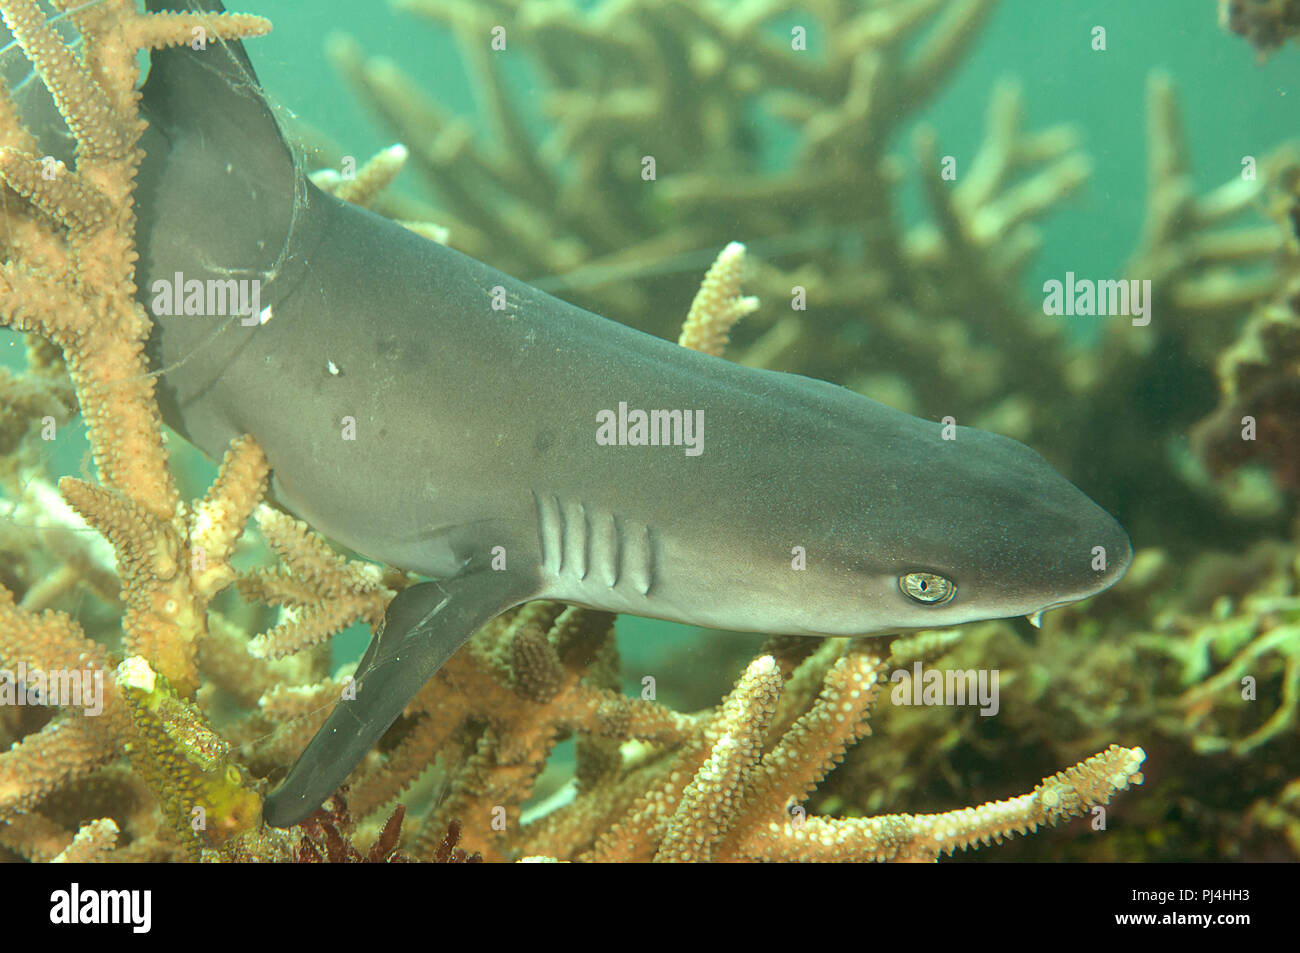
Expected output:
(913, 837)
(323, 593)
(718, 304)
(720, 797)
(70, 279)
(91, 843)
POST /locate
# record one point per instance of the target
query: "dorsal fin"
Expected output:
(215, 89)
(219, 189)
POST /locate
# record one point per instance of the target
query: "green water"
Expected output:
(1232, 105)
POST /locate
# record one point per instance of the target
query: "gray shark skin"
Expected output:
(475, 436)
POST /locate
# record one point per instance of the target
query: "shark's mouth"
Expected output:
(1036, 618)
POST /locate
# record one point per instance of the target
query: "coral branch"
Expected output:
(927, 836)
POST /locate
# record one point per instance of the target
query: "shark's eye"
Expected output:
(927, 587)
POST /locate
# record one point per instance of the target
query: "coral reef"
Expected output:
(1259, 386)
(67, 276)
(1267, 24)
(1196, 655)
(892, 302)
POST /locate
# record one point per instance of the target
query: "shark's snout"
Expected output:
(1120, 552)
(1109, 564)
(1014, 535)
(1069, 548)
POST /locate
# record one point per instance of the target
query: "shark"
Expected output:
(435, 414)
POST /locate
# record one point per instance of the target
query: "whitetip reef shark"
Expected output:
(408, 418)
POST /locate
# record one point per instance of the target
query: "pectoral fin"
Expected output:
(424, 625)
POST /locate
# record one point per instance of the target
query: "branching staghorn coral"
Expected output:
(68, 277)
(678, 80)
(323, 593)
(1259, 374)
(736, 793)
(1260, 399)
